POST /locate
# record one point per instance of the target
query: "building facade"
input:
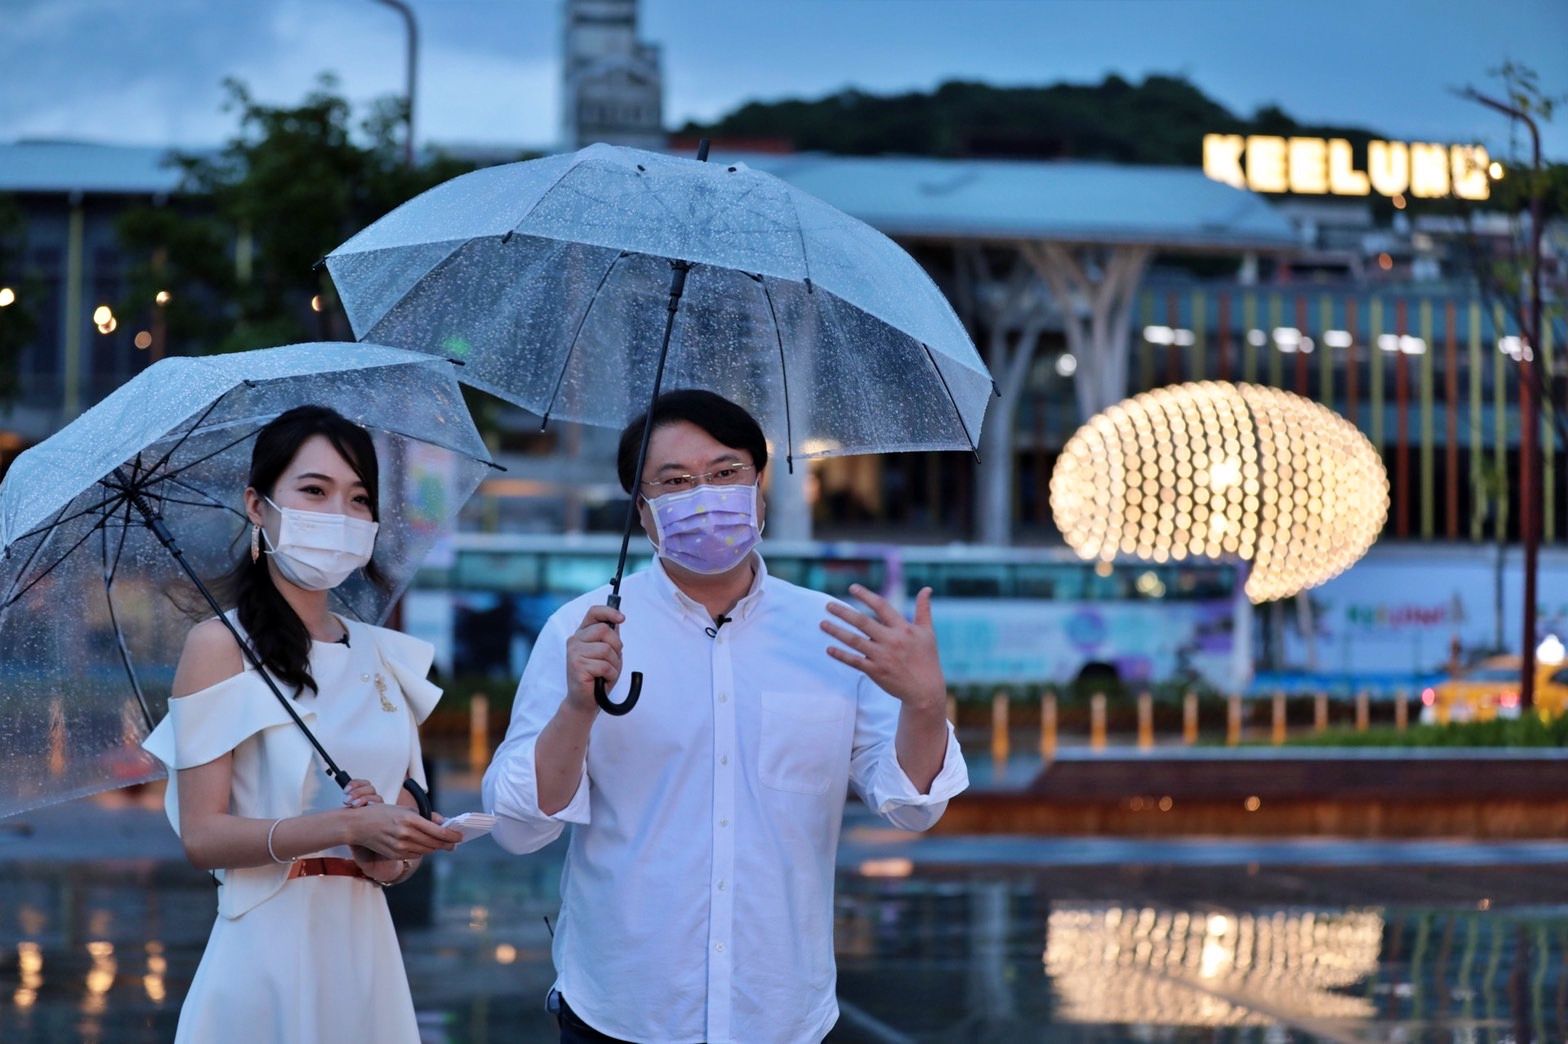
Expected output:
(612, 83)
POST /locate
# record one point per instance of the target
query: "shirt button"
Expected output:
(721, 886)
(718, 947)
(724, 822)
(724, 759)
(723, 698)
(364, 677)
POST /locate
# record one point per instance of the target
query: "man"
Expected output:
(697, 897)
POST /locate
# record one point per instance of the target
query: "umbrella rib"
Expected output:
(164, 498)
(11, 600)
(125, 526)
(109, 571)
(647, 188)
(63, 518)
(954, 402)
(570, 348)
(189, 431)
(47, 531)
(789, 427)
(800, 234)
(538, 202)
(438, 445)
(203, 459)
(208, 500)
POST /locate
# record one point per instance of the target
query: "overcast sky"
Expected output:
(149, 71)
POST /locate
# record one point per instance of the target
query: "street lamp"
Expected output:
(412, 70)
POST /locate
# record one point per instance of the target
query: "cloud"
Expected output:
(152, 73)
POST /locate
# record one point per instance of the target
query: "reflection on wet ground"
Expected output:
(100, 946)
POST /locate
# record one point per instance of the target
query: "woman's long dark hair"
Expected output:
(274, 628)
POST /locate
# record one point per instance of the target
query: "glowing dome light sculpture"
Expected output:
(1223, 471)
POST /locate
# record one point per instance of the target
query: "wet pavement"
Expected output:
(939, 939)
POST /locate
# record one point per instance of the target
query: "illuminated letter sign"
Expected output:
(1388, 164)
(1343, 177)
(1309, 166)
(1266, 163)
(1222, 158)
(1428, 171)
(1316, 167)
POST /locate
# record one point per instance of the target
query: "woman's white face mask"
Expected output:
(316, 550)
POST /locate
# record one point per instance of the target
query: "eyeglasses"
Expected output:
(728, 475)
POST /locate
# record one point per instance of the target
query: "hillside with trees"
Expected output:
(1159, 121)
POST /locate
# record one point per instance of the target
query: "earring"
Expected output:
(255, 542)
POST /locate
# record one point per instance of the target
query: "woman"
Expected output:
(303, 947)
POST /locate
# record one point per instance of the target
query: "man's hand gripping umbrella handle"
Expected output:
(601, 693)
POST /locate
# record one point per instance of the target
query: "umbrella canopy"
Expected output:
(91, 600)
(551, 280)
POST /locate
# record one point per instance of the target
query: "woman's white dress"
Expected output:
(314, 958)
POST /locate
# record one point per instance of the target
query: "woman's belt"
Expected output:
(327, 866)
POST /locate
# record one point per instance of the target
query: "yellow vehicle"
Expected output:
(1490, 689)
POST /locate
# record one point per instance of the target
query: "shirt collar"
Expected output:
(668, 590)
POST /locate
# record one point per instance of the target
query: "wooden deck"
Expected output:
(1491, 795)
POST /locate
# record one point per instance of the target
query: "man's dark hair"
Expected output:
(714, 414)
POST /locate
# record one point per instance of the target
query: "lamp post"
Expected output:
(403, 9)
(1529, 405)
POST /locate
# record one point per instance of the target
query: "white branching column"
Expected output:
(1012, 312)
(1094, 288)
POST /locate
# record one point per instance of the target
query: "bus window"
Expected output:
(573, 574)
(918, 575)
(1040, 580)
(788, 568)
(497, 570)
(959, 579)
(834, 575)
(1201, 584)
(1114, 588)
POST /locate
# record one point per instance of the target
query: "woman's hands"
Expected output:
(360, 793)
(396, 832)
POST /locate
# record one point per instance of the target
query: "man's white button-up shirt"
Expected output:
(697, 897)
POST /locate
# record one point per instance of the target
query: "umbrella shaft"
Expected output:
(677, 288)
(166, 538)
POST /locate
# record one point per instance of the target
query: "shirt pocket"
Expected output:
(801, 733)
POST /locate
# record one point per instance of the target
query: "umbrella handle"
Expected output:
(421, 797)
(601, 696)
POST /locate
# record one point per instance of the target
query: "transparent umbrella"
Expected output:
(577, 286)
(110, 528)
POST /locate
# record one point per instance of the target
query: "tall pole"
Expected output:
(394, 617)
(412, 63)
(1529, 404)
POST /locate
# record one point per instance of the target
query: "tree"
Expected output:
(1159, 121)
(1525, 103)
(237, 251)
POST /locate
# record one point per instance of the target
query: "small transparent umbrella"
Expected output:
(577, 286)
(110, 528)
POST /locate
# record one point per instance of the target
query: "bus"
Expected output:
(1003, 616)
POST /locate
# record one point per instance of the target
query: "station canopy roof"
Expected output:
(1015, 200)
(908, 198)
(86, 167)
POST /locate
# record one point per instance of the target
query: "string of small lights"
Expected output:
(1223, 471)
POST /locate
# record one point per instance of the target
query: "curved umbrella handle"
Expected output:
(421, 797)
(601, 696)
